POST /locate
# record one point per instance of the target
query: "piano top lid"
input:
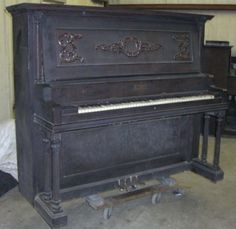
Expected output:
(109, 11)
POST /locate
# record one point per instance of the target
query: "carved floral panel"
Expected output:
(183, 43)
(68, 50)
(130, 46)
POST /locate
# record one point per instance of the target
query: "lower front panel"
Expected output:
(100, 153)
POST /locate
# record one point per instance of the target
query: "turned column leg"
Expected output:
(48, 178)
(55, 147)
(48, 202)
(211, 171)
(216, 159)
(205, 138)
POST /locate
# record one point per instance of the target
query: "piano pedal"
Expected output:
(122, 185)
(130, 183)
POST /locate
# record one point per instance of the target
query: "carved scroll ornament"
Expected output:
(129, 46)
(183, 40)
(68, 52)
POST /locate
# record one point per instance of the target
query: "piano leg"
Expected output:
(48, 176)
(205, 138)
(216, 159)
(211, 171)
(48, 203)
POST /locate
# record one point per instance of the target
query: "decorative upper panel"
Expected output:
(89, 47)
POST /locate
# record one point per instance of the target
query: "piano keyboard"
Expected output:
(142, 103)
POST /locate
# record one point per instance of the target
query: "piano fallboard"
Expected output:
(108, 90)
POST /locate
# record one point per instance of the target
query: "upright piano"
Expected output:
(103, 95)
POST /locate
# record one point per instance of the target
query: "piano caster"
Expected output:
(156, 198)
(97, 202)
(178, 193)
(107, 213)
(175, 193)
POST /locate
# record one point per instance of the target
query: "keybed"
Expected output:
(143, 103)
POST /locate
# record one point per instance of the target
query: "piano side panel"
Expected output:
(101, 153)
(81, 47)
(23, 108)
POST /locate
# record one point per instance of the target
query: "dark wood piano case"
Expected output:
(67, 58)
